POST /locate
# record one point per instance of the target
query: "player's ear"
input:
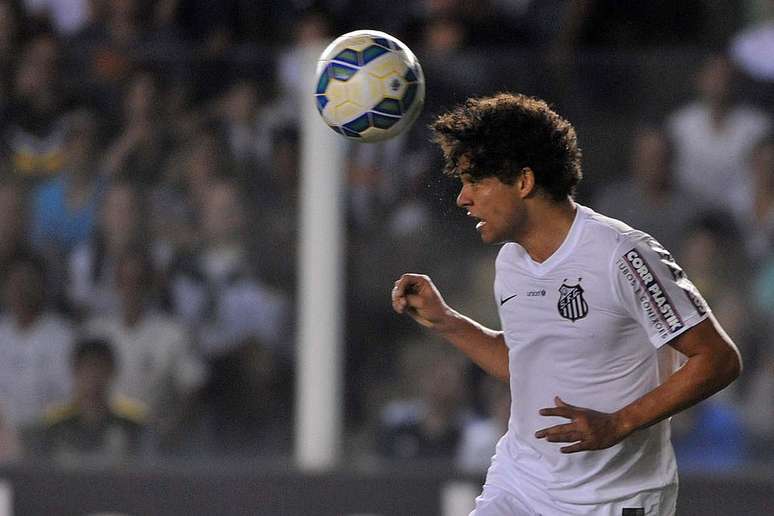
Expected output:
(526, 182)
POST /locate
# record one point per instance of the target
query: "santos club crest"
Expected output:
(571, 304)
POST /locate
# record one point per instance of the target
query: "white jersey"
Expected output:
(34, 367)
(586, 325)
(156, 363)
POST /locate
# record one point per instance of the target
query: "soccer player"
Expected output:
(590, 309)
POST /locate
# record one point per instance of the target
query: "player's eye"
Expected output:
(465, 178)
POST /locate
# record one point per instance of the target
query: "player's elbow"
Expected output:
(503, 376)
(727, 364)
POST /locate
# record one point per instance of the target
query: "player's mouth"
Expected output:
(481, 222)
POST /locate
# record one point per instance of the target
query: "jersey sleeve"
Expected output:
(654, 290)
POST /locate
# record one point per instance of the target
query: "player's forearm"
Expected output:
(701, 377)
(484, 346)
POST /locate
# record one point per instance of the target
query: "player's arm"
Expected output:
(416, 295)
(713, 363)
(645, 275)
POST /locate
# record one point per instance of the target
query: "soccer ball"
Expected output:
(370, 86)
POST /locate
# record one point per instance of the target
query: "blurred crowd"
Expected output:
(148, 183)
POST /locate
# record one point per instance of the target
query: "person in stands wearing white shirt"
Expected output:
(35, 345)
(713, 136)
(591, 310)
(157, 363)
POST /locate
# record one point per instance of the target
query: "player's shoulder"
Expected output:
(607, 233)
(596, 233)
(507, 252)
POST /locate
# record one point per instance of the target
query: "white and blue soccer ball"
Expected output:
(370, 86)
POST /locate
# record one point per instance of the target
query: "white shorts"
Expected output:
(494, 501)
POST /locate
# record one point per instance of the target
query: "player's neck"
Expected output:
(548, 224)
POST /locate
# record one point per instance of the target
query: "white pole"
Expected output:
(320, 294)
(458, 498)
(6, 498)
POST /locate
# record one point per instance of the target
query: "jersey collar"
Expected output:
(564, 250)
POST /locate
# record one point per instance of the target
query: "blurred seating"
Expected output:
(169, 130)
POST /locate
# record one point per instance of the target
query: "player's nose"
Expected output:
(463, 198)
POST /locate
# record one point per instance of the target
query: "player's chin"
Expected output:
(487, 236)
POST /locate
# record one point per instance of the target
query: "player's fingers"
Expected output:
(581, 446)
(557, 429)
(558, 411)
(399, 291)
(564, 437)
(411, 283)
(421, 320)
(411, 288)
(398, 304)
(407, 296)
(561, 403)
(398, 301)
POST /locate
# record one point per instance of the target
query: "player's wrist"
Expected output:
(450, 322)
(625, 423)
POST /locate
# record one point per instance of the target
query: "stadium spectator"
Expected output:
(67, 17)
(237, 111)
(215, 289)
(647, 197)
(712, 434)
(279, 198)
(91, 265)
(13, 222)
(427, 423)
(245, 114)
(247, 403)
(312, 29)
(112, 40)
(374, 180)
(757, 406)
(10, 446)
(607, 24)
(751, 49)
(713, 136)
(64, 208)
(196, 163)
(35, 127)
(175, 203)
(136, 155)
(480, 434)
(11, 29)
(703, 254)
(757, 219)
(93, 427)
(157, 362)
(443, 40)
(35, 343)
(763, 291)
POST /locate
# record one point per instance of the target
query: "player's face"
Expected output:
(497, 207)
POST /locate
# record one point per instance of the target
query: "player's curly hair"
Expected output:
(503, 134)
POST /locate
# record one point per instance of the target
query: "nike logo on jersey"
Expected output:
(506, 299)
